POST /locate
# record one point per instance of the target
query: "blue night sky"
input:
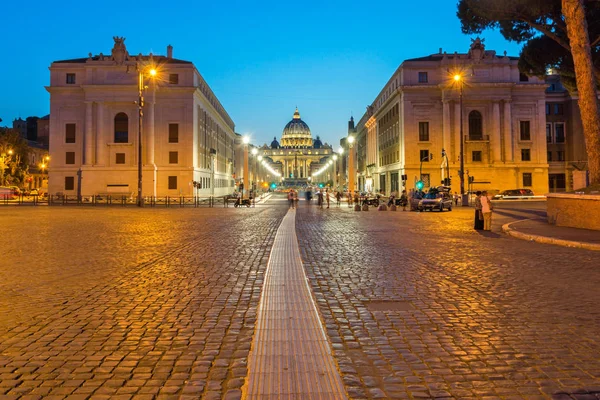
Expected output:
(262, 59)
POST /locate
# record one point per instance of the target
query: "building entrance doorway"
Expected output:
(557, 183)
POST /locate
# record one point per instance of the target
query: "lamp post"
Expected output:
(464, 198)
(246, 177)
(350, 164)
(341, 169)
(151, 72)
(335, 179)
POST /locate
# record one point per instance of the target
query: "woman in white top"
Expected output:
(486, 208)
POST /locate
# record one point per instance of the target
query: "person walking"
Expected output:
(296, 198)
(456, 199)
(291, 198)
(338, 197)
(327, 197)
(403, 200)
(478, 213)
(320, 198)
(486, 209)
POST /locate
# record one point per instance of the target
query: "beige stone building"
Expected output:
(188, 138)
(417, 117)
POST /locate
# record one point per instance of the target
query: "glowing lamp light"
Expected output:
(152, 72)
(259, 158)
(246, 139)
(335, 157)
(457, 77)
(254, 151)
(350, 139)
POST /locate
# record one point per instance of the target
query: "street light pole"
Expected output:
(461, 173)
(246, 176)
(151, 72)
(351, 165)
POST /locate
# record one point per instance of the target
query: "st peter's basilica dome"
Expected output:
(296, 134)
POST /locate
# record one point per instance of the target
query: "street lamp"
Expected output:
(245, 179)
(465, 201)
(351, 165)
(335, 179)
(141, 72)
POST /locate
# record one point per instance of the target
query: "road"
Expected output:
(162, 303)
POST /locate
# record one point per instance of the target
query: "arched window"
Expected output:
(121, 128)
(475, 125)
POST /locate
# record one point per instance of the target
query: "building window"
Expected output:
(423, 131)
(559, 109)
(549, 156)
(525, 155)
(121, 128)
(560, 156)
(559, 132)
(424, 155)
(70, 133)
(70, 79)
(549, 138)
(120, 158)
(423, 77)
(475, 125)
(476, 156)
(173, 133)
(69, 182)
(425, 178)
(525, 130)
(173, 157)
(70, 157)
(523, 77)
(527, 180)
(172, 182)
(173, 79)
(547, 109)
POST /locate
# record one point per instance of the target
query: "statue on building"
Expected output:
(119, 52)
(477, 50)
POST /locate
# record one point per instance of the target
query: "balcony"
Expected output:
(477, 138)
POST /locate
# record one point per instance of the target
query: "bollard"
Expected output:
(393, 207)
(365, 207)
(382, 207)
(357, 208)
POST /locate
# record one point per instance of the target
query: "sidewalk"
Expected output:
(540, 231)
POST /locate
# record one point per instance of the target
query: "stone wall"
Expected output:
(574, 210)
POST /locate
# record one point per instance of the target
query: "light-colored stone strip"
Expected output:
(290, 356)
(506, 228)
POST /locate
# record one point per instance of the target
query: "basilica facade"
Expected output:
(297, 156)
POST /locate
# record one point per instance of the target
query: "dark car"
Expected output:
(438, 198)
(514, 194)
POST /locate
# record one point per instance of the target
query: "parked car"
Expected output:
(514, 194)
(438, 198)
(8, 193)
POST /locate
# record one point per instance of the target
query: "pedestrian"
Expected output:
(455, 199)
(291, 198)
(478, 213)
(338, 197)
(296, 198)
(403, 200)
(320, 198)
(486, 209)
(327, 197)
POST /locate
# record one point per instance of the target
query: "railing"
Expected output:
(110, 200)
(477, 138)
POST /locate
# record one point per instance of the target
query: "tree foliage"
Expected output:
(540, 25)
(13, 167)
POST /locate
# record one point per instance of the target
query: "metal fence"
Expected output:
(117, 200)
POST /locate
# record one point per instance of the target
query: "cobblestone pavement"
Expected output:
(418, 305)
(129, 303)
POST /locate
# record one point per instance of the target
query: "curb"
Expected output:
(547, 240)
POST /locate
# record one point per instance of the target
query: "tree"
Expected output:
(13, 167)
(559, 34)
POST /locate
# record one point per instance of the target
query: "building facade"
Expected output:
(415, 125)
(297, 156)
(188, 139)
